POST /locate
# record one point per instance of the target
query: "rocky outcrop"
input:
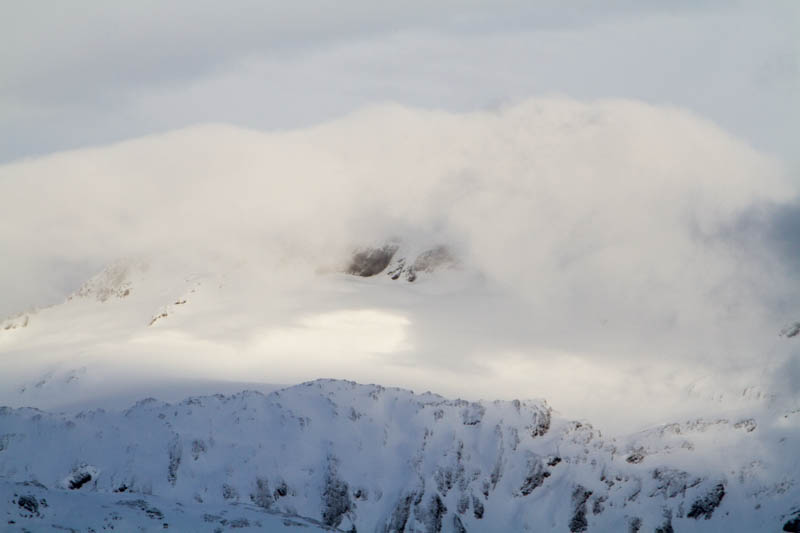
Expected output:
(369, 261)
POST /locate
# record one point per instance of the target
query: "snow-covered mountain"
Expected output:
(333, 454)
(341, 456)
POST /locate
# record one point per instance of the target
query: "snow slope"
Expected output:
(422, 318)
(363, 457)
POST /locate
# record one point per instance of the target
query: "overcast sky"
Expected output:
(86, 73)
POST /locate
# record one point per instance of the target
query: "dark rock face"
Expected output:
(635, 458)
(578, 522)
(175, 451)
(793, 525)
(634, 525)
(79, 480)
(151, 512)
(399, 519)
(477, 507)
(29, 503)
(535, 477)
(705, 506)
(336, 501)
(458, 526)
(80, 476)
(368, 262)
(666, 527)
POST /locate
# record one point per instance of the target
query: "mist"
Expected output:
(619, 249)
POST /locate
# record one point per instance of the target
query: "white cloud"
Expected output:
(601, 231)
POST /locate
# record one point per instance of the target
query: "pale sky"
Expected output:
(90, 72)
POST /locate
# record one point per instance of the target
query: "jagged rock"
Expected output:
(705, 506)
(431, 515)
(535, 477)
(458, 526)
(793, 525)
(634, 524)
(368, 262)
(229, 492)
(80, 476)
(400, 514)
(477, 507)
(175, 451)
(635, 458)
(578, 522)
(29, 503)
(336, 501)
(671, 482)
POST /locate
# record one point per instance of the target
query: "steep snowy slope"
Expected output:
(368, 458)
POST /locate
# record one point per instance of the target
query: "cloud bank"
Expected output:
(610, 234)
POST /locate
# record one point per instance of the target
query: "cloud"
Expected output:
(73, 77)
(617, 241)
(582, 208)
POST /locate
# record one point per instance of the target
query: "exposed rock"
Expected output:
(791, 330)
(29, 503)
(705, 506)
(793, 525)
(80, 476)
(458, 526)
(535, 477)
(666, 526)
(368, 262)
(431, 515)
(578, 522)
(472, 414)
(229, 492)
(635, 458)
(175, 451)
(152, 512)
(748, 425)
(672, 483)
(400, 514)
(336, 501)
(477, 507)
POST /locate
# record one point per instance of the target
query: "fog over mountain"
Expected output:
(400, 268)
(598, 258)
